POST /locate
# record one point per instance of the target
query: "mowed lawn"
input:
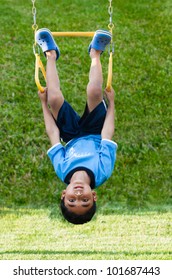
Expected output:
(31, 234)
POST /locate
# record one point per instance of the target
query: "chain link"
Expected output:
(34, 26)
(110, 11)
(111, 26)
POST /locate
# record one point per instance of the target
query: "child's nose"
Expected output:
(78, 192)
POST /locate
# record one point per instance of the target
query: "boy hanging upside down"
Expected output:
(88, 158)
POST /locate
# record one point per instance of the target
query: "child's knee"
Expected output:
(55, 97)
(94, 90)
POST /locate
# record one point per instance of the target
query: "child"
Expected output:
(88, 158)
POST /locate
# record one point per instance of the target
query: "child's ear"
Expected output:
(63, 194)
(94, 195)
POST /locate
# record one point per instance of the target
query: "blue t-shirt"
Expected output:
(90, 153)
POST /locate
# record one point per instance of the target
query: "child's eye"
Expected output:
(85, 199)
(71, 200)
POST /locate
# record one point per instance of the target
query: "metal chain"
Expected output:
(36, 49)
(110, 11)
(34, 26)
(111, 26)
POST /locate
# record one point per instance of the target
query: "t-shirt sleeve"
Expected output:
(56, 154)
(107, 158)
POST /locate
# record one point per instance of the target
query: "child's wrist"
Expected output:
(111, 102)
(44, 103)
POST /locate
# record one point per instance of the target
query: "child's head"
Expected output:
(78, 203)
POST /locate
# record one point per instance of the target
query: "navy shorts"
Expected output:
(71, 125)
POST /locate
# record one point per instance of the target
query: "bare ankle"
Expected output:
(94, 53)
(51, 54)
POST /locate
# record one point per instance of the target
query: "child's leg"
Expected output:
(55, 96)
(94, 87)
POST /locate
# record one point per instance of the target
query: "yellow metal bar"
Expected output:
(109, 78)
(73, 34)
(39, 66)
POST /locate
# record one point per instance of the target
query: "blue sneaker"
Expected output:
(45, 40)
(100, 40)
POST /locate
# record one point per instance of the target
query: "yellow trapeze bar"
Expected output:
(109, 79)
(73, 34)
(39, 65)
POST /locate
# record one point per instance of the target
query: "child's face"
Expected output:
(78, 197)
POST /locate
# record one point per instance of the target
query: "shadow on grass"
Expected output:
(46, 252)
(17, 210)
(54, 211)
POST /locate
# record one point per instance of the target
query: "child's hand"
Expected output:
(43, 95)
(110, 95)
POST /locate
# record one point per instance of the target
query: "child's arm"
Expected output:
(108, 127)
(51, 128)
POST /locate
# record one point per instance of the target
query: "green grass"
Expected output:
(27, 234)
(141, 78)
(142, 71)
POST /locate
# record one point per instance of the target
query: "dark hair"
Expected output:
(76, 218)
